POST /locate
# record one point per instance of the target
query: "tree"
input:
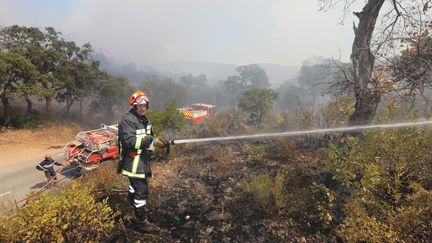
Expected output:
(62, 69)
(412, 71)
(253, 75)
(317, 74)
(79, 81)
(190, 81)
(161, 91)
(367, 98)
(318, 82)
(34, 45)
(14, 68)
(78, 71)
(55, 59)
(250, 76)
(111, 95)
(234, 87)
(365, 84)
(292, 97)
(198, 91)
(258, 102)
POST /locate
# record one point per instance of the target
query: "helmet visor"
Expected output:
(141, 100)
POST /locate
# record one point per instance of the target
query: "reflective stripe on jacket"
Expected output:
(47, 164)
(135, 160)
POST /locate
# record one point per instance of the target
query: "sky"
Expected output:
(148, 32)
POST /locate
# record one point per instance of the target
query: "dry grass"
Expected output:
(46, 139)
(105, 177)
(46, 135)
(165, 172)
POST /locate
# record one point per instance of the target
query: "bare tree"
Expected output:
(366, 94)
(394, 23)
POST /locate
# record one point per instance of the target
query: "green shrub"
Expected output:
(72, 215)
(255, 152)
(303, 119)
(360, 227)
(260, 186)
(170, 120)
(337, 112)
(410, 222)
(279, 193)
(282, 148)
(268, 193)
(413, 220)
(324, 203)
(374, 174)
(24, 121)
(211, 128)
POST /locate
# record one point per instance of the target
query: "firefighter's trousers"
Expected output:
(50, 173)
(138, 194)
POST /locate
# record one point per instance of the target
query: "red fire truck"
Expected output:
(197, 113)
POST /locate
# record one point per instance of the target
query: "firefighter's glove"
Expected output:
(161, 142)
(146, 141)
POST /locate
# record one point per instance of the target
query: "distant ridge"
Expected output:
(218, 71)
(214, 71)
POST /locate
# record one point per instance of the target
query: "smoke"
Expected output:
(153, 31)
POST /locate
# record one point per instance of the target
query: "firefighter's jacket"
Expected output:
(47, 164)
(135, 136)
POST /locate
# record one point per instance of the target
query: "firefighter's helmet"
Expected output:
(138, 98)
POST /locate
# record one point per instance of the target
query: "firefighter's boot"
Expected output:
(141, 223)
(145, 226)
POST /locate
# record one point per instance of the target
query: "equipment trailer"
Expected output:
(92, 147)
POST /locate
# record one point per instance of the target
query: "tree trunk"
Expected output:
(48, 104)
(29, 105)
(69, 103)
(365, 90)
(6, 111)
(365, 107)
(81, 108)
(260, 118)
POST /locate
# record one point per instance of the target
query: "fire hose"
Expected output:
(170, 142)
(301, 133)
(39, 190)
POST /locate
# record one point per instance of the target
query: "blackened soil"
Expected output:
(198, 196)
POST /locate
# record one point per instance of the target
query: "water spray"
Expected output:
(301, 133)
(291, 133)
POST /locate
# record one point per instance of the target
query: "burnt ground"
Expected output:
(206, 183)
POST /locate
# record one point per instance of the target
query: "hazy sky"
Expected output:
(224, 31)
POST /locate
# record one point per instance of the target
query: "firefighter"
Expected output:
(47, 166)
(136, 144)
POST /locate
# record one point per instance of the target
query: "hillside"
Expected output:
(214, 71)
(304, 189)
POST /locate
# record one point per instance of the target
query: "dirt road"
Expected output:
(19, 178)
(22, 150)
